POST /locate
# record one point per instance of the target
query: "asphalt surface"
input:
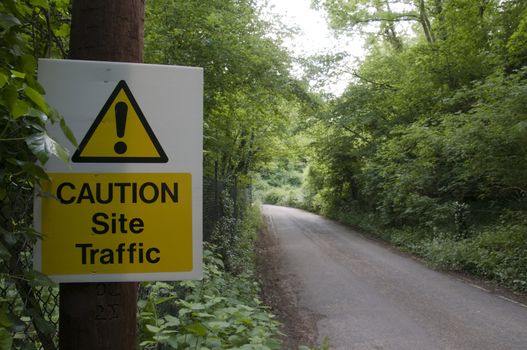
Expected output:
(370, 297)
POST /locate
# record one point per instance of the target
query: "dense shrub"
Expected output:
(222, 311)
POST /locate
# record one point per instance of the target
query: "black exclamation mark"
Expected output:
(121, 109)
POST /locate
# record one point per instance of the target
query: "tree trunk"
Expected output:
(102, 315)
(425, 23)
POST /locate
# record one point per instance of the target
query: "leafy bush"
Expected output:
(28, 29)
(285, 196)
(497, 253)
(220, 312)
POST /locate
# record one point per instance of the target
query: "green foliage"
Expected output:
(289, 196)
(28, 29)
(427, 146)
(498, 253)
(280, 182)
(220, 312)
(250, 97)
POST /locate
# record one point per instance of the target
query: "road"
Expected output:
(370, 297)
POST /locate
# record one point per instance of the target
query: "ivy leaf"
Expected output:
(19, 108)
(7, 21)
(43, 146)
(68, 133)
(40, 3)
(37, 279)
(33, 169)
(37, 98)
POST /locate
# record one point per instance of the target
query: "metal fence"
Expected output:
(32, 308)
(39, 305)
(213, 208)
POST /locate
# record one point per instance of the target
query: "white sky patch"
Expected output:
(315, 38)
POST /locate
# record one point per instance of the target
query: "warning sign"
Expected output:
(117, 223)
(128, 207)
(120, 133)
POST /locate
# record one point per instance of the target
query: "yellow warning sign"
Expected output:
(120, 134)
(117, 223)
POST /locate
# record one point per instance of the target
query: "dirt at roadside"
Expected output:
(299, 325)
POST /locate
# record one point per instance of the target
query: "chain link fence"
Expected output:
(33, 309)
(29, 308)
(213, 208)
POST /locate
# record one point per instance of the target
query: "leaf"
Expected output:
(29, 64)
(6, 339)
(4, 317)
(3, 80)
(33, 112)
(68, 133)
(165, 299)
(10, 96)
(171, 320)
(40, 323)
(173, 341)
(37, 279)
(29, 346)
(153, 329)
(43, 146)
(63, 31)
(17, 74)
(40, 3)
(33, 169)
(218, 325)
(8, 236)
(37, 98)
(19, 108)
(7, 21)
(197, 306)
(54, 115)
(197, 329)
(31, 81)
(183, 311)
(4, 253)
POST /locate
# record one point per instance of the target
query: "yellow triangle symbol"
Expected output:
(120, 134)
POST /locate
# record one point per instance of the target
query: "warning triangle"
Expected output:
(120, 134)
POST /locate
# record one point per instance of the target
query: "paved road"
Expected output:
(371, 298)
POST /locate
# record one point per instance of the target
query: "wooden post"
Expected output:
(102, 315)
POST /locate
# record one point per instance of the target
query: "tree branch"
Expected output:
(381, 84)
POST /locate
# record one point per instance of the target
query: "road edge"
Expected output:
(299, 325)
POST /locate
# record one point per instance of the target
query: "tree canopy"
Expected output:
(250, 96)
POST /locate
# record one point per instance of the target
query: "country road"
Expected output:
(367, 296)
